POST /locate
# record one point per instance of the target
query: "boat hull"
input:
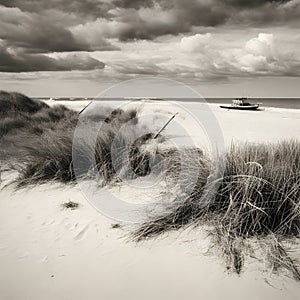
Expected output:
(245, 107)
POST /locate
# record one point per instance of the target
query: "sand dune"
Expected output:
(50, 252)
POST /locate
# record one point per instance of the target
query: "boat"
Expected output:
(241, 104)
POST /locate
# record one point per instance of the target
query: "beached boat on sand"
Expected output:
(242, 104)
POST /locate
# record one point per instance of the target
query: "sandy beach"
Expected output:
(268, 125)
(50, 252)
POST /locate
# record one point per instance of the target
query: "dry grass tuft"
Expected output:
(258, 198)
(70, 205)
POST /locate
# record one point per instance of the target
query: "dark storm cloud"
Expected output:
(149, 22)
(134, 3)
(32, 28)
(42, 32)
(213, 13)
(137, 19)
(130, 20)
(42, 37)
(14, 61)
(89, 8)
(168, 18)
(252, 3)
(275, 13)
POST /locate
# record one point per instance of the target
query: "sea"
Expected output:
(289, 103)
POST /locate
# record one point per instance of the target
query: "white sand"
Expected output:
(268, 125)
(47, 252)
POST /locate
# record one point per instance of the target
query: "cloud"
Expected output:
(138, 67)
(42, 33)
(194, 39)
(130, 24)
(12, 60)
(252, 3)
(131, 20)
(194, 43)
(204, 57)
(33, 32)
(150, 22)
(263, 55)
(272, 13)
(133, 3)
(260, 56)
(127, 20)
(261, 45)
(86, 8)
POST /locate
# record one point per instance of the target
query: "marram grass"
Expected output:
(258, 199)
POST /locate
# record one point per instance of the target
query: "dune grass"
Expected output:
(40, 142)
(49, 156)
(16, 102)
(258, 199)
(26, 123)
(39, 139)
(15, 122)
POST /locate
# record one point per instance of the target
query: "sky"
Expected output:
(220, 48)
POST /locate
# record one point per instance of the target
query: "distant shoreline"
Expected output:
(289, 103)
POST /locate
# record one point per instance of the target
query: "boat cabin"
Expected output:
(240, 102)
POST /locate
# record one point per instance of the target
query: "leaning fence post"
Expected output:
(157, 134)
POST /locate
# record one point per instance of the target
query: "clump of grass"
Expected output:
(46, 158)
(70, 205)
(39, 139)
(23, 121)
(116, 226)
(49, 156)
(258, 198)
(10, 124)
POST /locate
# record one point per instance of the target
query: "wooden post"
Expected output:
(157, 134)
(84, 108)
